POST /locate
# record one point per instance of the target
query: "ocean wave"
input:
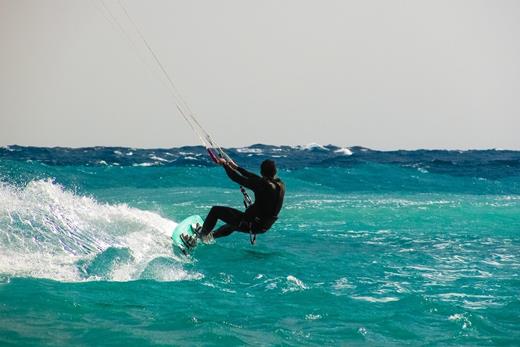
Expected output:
(249, 150)
(313, 146)
(146, 164)
(374, 299)
(294, 284)
(154, 157)
(49, 232)
(487, 164)
(343, 151)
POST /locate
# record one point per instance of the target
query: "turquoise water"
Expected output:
(366, 252)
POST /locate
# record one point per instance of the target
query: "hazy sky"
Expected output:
(382, 74)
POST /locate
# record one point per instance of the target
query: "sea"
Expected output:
(372, 248)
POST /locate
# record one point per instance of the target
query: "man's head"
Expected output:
(268, 168)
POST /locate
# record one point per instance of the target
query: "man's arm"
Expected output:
(246, 173)
(241, 170)
(248, 182)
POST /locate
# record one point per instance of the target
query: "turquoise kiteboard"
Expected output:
(185, 228)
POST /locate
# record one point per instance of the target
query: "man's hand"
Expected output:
(231, 164)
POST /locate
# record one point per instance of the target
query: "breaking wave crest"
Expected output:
(49, 232)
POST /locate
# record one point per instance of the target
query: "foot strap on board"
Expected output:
(197, 230)
(189, 241)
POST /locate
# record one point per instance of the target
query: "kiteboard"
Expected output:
(186, 227)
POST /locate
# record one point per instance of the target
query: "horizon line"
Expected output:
(306, 146)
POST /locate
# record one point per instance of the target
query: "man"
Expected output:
(257, 218)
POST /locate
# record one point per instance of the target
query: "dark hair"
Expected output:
(268, 168)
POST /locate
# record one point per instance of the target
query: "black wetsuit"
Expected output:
(259, 217)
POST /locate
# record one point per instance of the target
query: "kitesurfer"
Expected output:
(269, 193)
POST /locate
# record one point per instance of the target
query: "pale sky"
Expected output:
(382, 74)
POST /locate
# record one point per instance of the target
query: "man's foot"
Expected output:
(189, 241)
(207, 239)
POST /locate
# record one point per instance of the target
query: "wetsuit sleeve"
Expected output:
(248, 182)
(246, 173)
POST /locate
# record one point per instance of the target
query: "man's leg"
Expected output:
(224, 230)
(228, 215)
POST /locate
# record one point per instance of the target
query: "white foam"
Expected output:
(8, 148)
(294, 284)
(342, 283)
(311, 316)
(154, 157)
(374, 299)
(466, 323)
(313, 145)
(45, 231)
(344, 151)
(249, 150)
(457, 316)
